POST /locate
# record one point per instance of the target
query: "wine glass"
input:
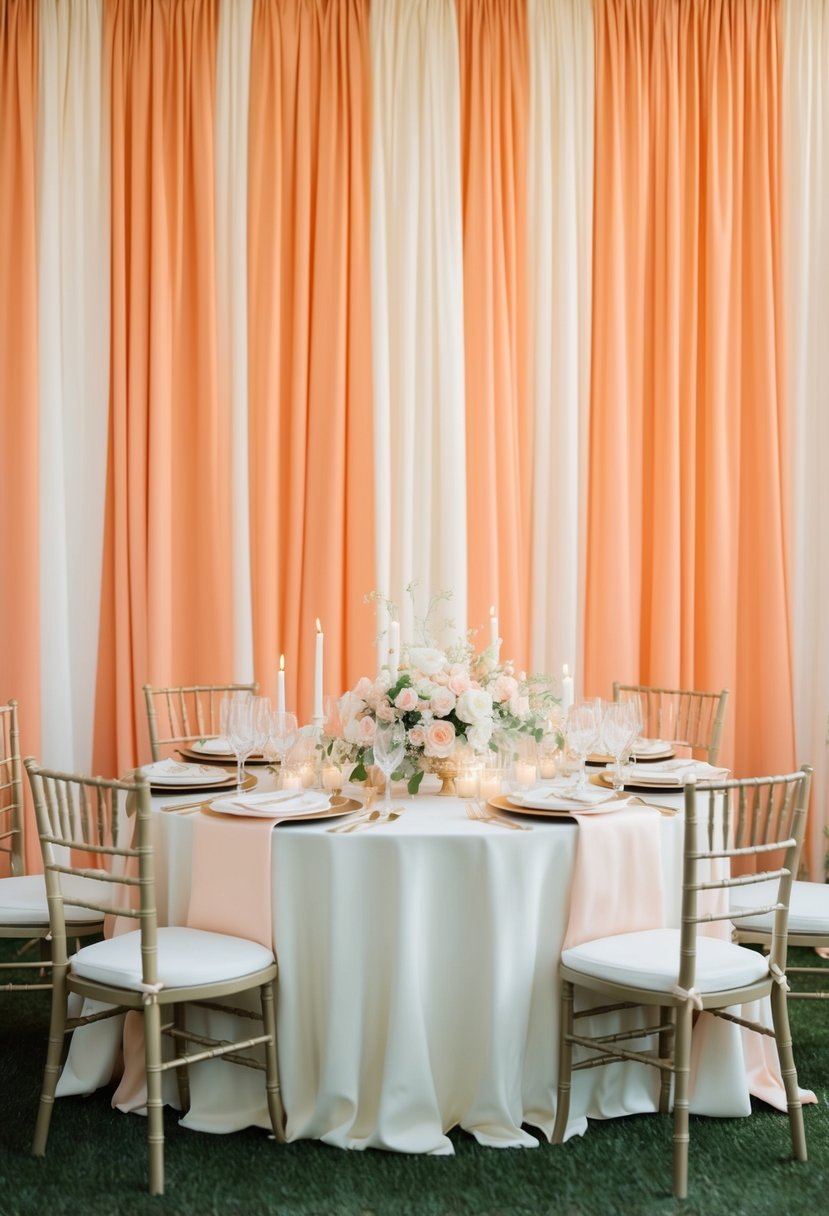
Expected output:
(237, 727)
(283, 730)
(389, 748)
(619, 729)
(584, 721)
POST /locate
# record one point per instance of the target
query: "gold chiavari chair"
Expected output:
(679, 971)
(681, 715)
(185, 713)
(151, 969)
(24, 914)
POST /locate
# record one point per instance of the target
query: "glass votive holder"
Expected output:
(307, 774)
(489, 784)
(546, 765)
(525, 774)
(290, 779)
(332, 778)
(466, 783)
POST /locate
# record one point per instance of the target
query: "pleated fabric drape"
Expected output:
(560, 235)
(20, 624)
(73, 350)
(309, 340)
(687, 557)
(518, 299)
(166, 600)
(494, 79)
(417, 306)
(805, 141)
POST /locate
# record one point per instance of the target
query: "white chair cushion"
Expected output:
(23, 900)
(650, 960)
(808, 906)
(185, 957)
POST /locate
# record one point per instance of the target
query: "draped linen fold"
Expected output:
(20, 623)
(494, 76)
(687, 551)
(309, 341)
(417, 306)
(166, 611)
(232, 102)
(73, 351)
(805, 140)
(560, 226)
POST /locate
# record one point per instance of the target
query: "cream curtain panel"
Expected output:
(522, 299)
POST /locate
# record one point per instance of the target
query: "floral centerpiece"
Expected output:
(447, 699)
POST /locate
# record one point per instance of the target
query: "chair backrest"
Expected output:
(760, 818)
(185, 714)
(683, 715)
(11, 789)
(80, 816)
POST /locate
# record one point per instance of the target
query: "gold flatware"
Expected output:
(477, 810)
(187, 806)
(655, 806)
(353, 824)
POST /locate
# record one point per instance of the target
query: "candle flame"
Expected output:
(566, 670)
(492, 610)
(282, 662)
(319, 626)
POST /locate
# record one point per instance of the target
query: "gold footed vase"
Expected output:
(447, 770)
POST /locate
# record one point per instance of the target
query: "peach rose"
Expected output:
(504, 688)
(442, 702)
(440, 739)
(417, 736)
(385, 712)
(367, 728)
(406, 700)
(460, 683)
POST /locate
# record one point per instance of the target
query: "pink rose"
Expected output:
(406, 700)
(417, 736)
(367, 727)
(459, 683)
(385, 712)
(363, 688)
(440, 739)
(504, 688)
(442, 702)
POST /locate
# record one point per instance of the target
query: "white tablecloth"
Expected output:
(418, 987)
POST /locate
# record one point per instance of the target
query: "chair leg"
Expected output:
(666, 1046)
(275, 1107)
(182, 1075)
(155, 1110)
(54, 1054)
(565, 1062)
(682, 1070)
(783, 1038)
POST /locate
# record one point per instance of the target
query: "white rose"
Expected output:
(426, 659)
(442, 702)
(479, 736)
(474, 706)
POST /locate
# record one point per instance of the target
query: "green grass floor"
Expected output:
(96, 1162)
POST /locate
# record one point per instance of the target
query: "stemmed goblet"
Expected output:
(584, 721)
(389, 749)
(236, 724)
(619, 729)
(283, 730)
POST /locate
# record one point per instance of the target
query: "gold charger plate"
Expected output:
(657, 757)
(191, 753)
(501, 803)
(228, 783)
(340, 805)
(647, 787)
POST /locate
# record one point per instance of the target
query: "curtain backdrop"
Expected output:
(20, 624)
(687, 549)
(519, 299)
(805, 140)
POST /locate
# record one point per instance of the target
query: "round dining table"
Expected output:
(418, 980)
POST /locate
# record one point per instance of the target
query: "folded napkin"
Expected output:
(561, 795)
(651, 747)
(275, 803)
(675, 772)
(174, 768)
(214, 747)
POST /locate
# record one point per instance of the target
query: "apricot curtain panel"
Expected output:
(521, 299)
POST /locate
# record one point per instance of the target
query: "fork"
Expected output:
(476, 810)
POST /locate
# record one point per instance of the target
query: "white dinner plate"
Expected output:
(285, 805)
(558, 808)
(164, 772)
